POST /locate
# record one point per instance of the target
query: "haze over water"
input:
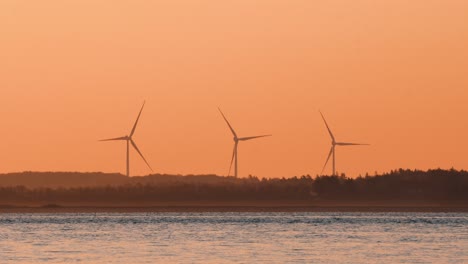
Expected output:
(234, 237)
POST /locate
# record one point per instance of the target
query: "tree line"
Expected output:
(404, 185)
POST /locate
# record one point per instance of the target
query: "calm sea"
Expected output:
(234, 238)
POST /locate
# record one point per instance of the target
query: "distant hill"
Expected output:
(90, 179)
(400, 187)
(61, 179)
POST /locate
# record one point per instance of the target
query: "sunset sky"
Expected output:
(390, 73)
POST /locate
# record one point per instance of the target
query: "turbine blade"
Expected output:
(350, 144)
(136, 122)
(249, 138)
(329, 131)
(232, 159)
(139, 152)
(110, 139)
(328, 158)
(227, 122)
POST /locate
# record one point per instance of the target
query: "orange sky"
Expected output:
(390, 73)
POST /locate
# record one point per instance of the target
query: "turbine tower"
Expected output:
(236, 143)
(129, 139)
(334, 144)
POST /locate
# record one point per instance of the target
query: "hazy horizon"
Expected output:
(338, 173)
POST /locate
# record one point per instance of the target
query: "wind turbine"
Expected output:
(236, 143)
(334, 144)
(129, 139)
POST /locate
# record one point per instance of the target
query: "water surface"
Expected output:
(234, 238)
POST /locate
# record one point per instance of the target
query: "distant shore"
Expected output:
(238, 207)
(75, 192)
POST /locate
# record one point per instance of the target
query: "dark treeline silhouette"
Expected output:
(88, 188)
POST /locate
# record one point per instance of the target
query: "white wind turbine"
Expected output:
(236, 143)
(129, 140)
(334, 144)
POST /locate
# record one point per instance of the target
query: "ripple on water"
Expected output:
(234, 237)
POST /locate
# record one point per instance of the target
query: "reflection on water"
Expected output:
(234, 237)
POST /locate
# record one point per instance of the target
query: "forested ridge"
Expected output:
(73, 187)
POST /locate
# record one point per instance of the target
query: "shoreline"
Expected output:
(230, 208)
